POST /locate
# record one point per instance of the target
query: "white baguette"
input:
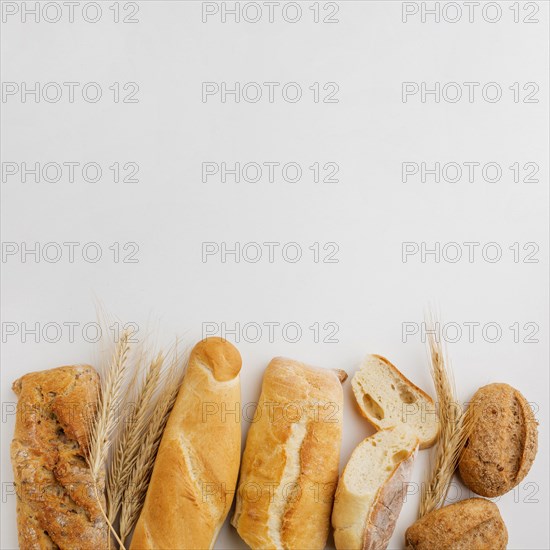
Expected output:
(290, 464)
(197, 464)
(371, 490)
(387, 399)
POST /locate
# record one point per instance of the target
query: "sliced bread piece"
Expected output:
(386, 399)
(371, 490)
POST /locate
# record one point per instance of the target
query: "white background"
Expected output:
(370, 291)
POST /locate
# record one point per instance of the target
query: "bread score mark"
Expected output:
(289, 480)
(212, 379)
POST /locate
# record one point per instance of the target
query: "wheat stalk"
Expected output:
(139, 476)
(105, 421)
(108, 407)
(128, 444)
(454, 426)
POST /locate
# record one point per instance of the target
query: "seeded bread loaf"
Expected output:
(371, 490)
(387, 399)
(57, 506)
(196, 468)
(503, 443)
(289, 469)
(472, 524)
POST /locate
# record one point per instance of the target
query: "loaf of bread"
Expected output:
(290, 465)
(371, 490)
(57, 504)
(387, 399)
(472, 524)
(503, 443)
(197, 464)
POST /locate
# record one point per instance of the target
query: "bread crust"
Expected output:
(220, 356)
(503, 443)
(365, 519)
(471, 524)
(57, 505)
(196, 468)
(359, 395)
(290, 464)
(387, 506)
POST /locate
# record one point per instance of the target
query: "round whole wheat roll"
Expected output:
(503, 443)
(474, 523)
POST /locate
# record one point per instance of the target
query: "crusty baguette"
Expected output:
(197, 465)
(57, 505)
(471, 524)
(387, 399)
(503, 443)
(290, 465)
(371, 490)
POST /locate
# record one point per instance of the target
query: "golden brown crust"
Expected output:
(56, 500)
(503, 443)
(290, 465)
(342, 375)
(220, 356)
(472, 524)
(196, 468)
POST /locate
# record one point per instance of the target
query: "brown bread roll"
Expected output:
(503, 444)
(290, 465)
(57, 506)
(196, 468)
(472, 524)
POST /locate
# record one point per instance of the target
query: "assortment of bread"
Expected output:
(288, 490)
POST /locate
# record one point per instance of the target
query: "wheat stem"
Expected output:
(140, 474)
(453, 429)
(105, 420)
(109, 402)
(128, 444)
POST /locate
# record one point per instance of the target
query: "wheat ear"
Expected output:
(139, 476)
(454, 426)
(110, 399)
(105, 421)
(128, 444)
